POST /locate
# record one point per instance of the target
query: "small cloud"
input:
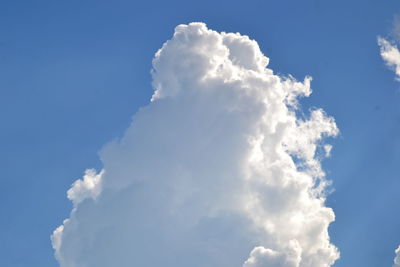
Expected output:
(328, 149)
(390, 54)
(397, 258)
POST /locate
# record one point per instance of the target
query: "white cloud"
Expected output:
(88, 187)
(262, 257)
(397, 258)
(216, 171)
(391, 55)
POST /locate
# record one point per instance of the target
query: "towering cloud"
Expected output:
(218, 170)
(391, 55)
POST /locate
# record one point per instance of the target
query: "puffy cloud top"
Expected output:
(218, 170)
(88, 187)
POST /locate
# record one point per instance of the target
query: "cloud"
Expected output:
(395, 32)
(88, 187)
(261, 257)
(391, 55)
(218, 170)
(397, 258)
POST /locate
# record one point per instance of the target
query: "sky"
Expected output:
(74, 74)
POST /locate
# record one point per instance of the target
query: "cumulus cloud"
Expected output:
(261, 257)
(391, 55)
(88, 187)
(218, 170)
(397, 258)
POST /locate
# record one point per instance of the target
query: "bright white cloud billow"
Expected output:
(397, 258)
(88, 187)
(391, 55)
(217, 171)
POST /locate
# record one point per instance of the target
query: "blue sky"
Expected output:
(74, 73)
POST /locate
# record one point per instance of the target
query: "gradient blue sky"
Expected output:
(72, 74)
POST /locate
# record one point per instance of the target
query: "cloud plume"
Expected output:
(218, 170)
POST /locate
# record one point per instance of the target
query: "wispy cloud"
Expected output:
(218, 170)
(396, 28)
